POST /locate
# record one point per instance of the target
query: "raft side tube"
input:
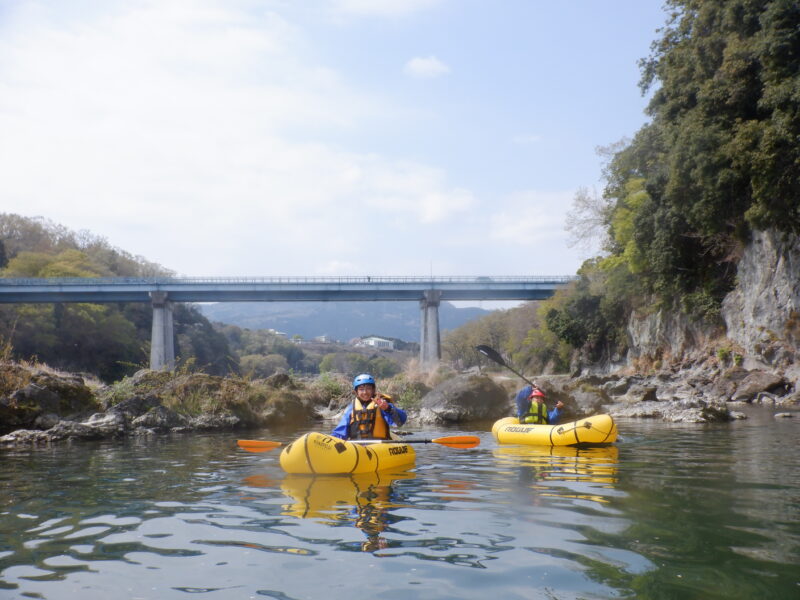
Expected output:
(598, 430)
(327, 455)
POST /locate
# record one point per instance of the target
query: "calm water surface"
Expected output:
(669, 512)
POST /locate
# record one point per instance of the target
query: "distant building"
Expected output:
(324, 339)
(377, 342)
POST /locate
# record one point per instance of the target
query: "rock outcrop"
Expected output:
(462, 399)
(762, 314)
(42, 407)
(754, 348)
(699, 393)
(34, 397)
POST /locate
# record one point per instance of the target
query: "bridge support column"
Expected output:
(430, 350)
(162, 347)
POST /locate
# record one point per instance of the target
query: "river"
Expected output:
(671, 511)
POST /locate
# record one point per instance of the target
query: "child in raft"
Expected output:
(370, 415)
(531, 408)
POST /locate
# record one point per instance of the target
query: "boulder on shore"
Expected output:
(465, 398)
(674, 411)
(30, 397)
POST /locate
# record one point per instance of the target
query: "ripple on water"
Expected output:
(671, 509)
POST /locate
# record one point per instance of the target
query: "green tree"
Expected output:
(27, 264)
(258, 365)
(720, 155)
(328, 364)
(109, 340)
(383, 367)
(350, 363)
(67, 263)
(292, 352)
(199, 341)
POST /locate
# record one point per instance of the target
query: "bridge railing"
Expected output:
(21, 281)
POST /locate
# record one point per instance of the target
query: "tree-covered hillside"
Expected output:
(338, 320)
(719, 158)
(721, 154)
(263, 352)
(108, 340)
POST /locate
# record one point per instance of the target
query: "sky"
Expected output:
(324, 137)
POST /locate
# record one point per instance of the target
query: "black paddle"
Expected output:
(492, 354)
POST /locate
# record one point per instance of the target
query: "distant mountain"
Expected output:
(339, 320)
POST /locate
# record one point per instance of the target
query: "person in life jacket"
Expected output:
(531, 408)
(370, 414)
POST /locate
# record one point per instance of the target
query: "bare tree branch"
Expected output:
(586, 222)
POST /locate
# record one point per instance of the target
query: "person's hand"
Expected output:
(559, 404)
(381, 402)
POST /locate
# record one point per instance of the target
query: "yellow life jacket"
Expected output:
(537, 414)
(367, 422)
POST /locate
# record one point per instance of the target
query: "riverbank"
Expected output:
(39, 405)
(694, 392)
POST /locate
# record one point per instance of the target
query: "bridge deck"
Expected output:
(274, 289)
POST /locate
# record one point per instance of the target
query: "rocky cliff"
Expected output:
(758, 330)
(762, 315)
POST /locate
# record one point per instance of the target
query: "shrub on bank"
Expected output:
(279, 399)
(407, 391)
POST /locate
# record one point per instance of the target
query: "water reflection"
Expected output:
(363, 500)
(673, 512)
(537, 466)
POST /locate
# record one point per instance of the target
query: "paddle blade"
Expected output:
(257, 445)
(458, 441)
(491, 354)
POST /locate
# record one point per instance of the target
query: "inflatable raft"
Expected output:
(592, 431)
(321, 454)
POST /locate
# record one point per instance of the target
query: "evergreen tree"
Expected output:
(720, 155)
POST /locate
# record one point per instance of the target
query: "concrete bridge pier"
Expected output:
(162, 346)
(430, 350)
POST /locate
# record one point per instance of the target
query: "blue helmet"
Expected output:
(364, 378)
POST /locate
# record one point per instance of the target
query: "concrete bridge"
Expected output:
(161, 292)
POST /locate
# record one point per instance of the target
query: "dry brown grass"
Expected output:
(13, 377)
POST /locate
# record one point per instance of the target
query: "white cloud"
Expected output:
(208, 136)
(532, 217)
(525, 139)
(383, 8)
(165, 129)
(426, 68)
(528, 229)
(335, 267)
(416, 190)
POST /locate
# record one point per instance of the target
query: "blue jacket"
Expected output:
(523, 401)
(393, 416)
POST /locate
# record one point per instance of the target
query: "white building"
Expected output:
(377, 342)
